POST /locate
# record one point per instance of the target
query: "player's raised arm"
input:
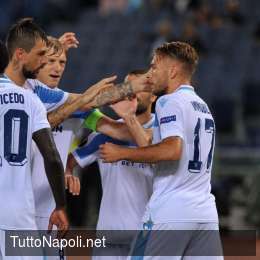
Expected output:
(121, 91)
(102, 93)
(78, 102)
(130, 130)
(69, 40)
(55, 173)
(170, 122)
(134, 112)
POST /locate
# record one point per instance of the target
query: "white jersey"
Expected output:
(21, 114)
(182, 189)
(63, 137)
(126, 186)
(51, 98)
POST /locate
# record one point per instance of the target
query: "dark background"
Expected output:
(117, 36)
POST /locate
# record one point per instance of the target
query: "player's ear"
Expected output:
(20, 54)
(172, 71)
(153, 98)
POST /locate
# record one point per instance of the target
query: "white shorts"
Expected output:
(182, 245)
(42, 224)
(4, 257)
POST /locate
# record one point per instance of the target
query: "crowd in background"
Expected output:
(117, 36)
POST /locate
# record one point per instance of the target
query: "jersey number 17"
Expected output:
(195, 164)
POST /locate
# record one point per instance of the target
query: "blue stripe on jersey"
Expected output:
(93, 146)
(5, 81)
(48, 95)
(141, 244)
(156, 122)
(80, 114)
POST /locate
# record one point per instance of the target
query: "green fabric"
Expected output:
(90, 121)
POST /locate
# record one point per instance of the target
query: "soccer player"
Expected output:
(184, 138)
(27, 49)
(23, 118)
(126, 186)
(63, 135)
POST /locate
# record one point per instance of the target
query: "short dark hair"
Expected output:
(181, 51)
(3, 57)
(138, 72)
(23, 34)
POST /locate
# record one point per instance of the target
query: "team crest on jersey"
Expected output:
(167, 119)
(162, 101)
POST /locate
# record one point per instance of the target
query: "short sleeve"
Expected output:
(39, 118)
(88, 153)
(169, 118)
(51, 98)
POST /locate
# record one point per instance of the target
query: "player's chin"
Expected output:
(53, 83)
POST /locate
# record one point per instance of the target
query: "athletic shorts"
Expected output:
(112, 252)
(42, 224)
(177, 241)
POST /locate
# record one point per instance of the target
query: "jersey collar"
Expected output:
(4, 79)
(149, 124)
(185, 87)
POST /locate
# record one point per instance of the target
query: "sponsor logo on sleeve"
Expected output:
(167, 119)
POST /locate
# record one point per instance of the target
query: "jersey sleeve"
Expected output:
(39, 115)
(51, 98)
(169, 118)
(89, 152)
(81, 114)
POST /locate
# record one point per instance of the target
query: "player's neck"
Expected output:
(15, 74)
(176, 83)
(144, 117)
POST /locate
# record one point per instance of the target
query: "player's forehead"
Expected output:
(156, 60)
(54, 54)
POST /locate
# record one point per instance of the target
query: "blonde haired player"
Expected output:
(50, 75)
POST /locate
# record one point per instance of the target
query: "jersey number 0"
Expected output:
(15, 137)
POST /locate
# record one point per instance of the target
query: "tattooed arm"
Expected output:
(119, 92)
(78, 102)
(103, 93)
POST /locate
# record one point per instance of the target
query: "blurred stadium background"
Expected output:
(117, 36)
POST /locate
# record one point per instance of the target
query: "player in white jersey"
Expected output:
(63, 135)
(27, 56)
(183, 150)
(23, 118)
(126, 186)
